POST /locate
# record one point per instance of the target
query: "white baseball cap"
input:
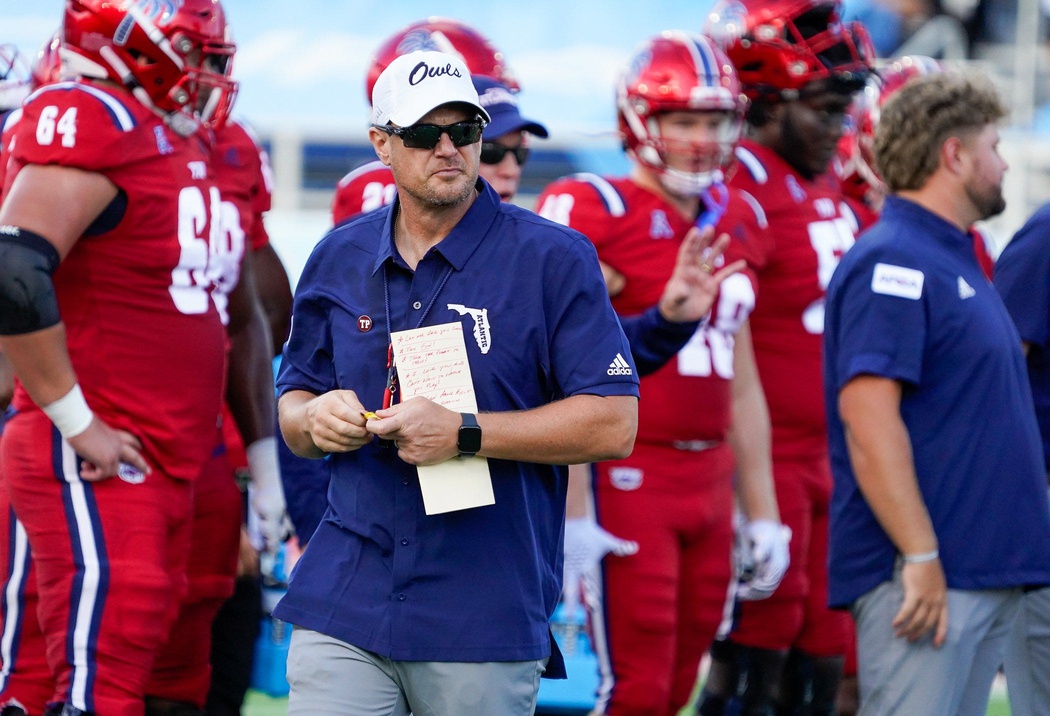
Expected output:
(414, 84)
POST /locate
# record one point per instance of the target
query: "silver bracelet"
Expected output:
(921, 557)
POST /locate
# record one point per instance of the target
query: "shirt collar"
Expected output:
(461, 242)
(941, 230)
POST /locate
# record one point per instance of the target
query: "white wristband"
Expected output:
(263, 464)
(70, 413)
(921, 557)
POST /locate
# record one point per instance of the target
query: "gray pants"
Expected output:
(901, 677)
(1027, 664)
(329, 677)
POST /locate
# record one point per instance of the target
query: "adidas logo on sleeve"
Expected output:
(620, 367)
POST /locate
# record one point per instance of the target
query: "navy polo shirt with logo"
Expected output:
(1022, 277)
(477, 584)
(909, 303)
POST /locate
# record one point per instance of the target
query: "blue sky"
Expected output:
(301, 63)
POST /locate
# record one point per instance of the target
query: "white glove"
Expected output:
(268, 523)
(585, 545)
(766, 543)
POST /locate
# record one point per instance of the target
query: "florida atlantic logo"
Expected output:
(423, 40)
(130, 474)
(155, 12)
(626, 478)
(482, 329)
(727, 21)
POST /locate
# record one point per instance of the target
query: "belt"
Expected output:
(695, 445)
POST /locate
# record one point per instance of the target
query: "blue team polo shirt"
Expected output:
(909, 302)
(1022, 277)
(478, 584)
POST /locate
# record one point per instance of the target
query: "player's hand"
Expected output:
(271, 517)
(335, 421)
(925, 605)
(106, 451)
(423, 432)
(693, 287)
(768, 545)
(586, 544)
(269, 521)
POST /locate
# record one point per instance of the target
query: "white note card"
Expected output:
(432, 363)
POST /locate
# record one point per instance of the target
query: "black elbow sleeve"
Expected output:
(27, 294)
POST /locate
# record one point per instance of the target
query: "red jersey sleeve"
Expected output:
(588, 204)
(77, 125)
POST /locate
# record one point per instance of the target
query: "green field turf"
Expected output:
(262, 705)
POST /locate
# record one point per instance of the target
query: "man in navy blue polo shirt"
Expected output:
(1022, 277)
(939, 516)
(397, 610)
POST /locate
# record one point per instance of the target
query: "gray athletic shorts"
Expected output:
(329, 677)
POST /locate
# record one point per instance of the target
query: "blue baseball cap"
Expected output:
(502, 106)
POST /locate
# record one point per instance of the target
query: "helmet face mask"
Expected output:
(780, 46)
(14, 78)
(680, 110)
(163, 52)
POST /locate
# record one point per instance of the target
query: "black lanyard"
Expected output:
(391, 369)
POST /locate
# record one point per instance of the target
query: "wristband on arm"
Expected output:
(70, 413)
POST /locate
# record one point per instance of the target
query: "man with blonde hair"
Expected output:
(935, 530)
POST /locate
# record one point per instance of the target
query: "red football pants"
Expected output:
(797, 615)
(182, 668)
(110, 559)
(663, 605)
(25, 676)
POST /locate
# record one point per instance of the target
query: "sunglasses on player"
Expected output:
(492, 153)
(426, 136)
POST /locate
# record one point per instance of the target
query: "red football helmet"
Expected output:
(858, 165)
(678, 71)
(47, 67)
(780, 46)
(14, 78)
(174, 55)
(444, 35)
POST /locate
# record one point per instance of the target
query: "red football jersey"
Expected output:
(366, 188)
(242, 171)
(811, 227)
(142, 329)
(638, 234)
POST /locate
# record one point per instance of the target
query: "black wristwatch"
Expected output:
(469, 441)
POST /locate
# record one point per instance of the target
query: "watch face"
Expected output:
(469, 439)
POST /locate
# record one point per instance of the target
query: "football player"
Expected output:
(504, 148)
(112, 329)
(680, 113)
(801, 67)
(181, 672)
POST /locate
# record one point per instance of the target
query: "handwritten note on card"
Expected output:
(432, 363)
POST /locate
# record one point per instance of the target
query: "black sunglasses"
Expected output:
(426, 136)
(492, 153)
